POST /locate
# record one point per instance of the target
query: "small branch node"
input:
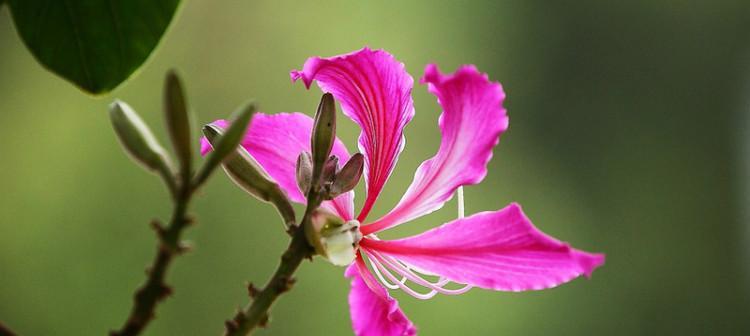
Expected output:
(252, 291)
(157, 226)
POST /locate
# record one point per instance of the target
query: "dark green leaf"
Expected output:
(95, 44)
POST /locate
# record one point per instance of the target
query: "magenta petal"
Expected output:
(374, 314)
(473, 118)
(275, 141)
(499, 250)
(374, 90)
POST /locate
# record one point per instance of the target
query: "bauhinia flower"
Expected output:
(498, 250)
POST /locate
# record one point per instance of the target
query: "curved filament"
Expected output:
(389, 264)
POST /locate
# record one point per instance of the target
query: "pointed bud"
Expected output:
(304, 171)
(137, 138)
(224, 145)
(249, 175)
(348, 177)
(178, 122)
(333, 238)
(324, 133)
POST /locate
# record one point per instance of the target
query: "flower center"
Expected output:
(341, 242)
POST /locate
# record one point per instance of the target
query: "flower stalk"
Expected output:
(255, 314)
(143, 147)
(155, 289)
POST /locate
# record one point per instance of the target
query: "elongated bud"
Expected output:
(333, 238)
(178, 121)
(304, 171)
(324, 133)
(137, 138)
(348, 177)
(249, 175)
(226, 144)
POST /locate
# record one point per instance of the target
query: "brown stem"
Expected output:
(5, 330)
(255, 314)
(155, 289)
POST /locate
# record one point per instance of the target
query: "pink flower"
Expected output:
(499, 250)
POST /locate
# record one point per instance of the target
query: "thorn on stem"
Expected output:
(164, 292)
(263, 323)
(252, 290)
(234, 324)
(231, 326)
(290, 283)
(285, 284)
(157, 226)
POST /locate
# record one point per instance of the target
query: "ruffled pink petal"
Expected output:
(473, 119)
(275, 141)
(373, 311)
(374, 90)
(499, 250)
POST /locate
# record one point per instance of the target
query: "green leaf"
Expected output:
(95, 44)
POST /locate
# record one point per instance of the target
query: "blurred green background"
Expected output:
(628, 136)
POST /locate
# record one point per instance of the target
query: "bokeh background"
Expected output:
(629, 136)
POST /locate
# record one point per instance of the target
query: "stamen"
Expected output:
(383, 281)
(376, 263)
(460, 199)
(406, 272)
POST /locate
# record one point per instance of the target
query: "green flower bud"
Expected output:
(137, 138)
(323, 134)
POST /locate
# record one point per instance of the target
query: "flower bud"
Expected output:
(226, 143)
(137, 138)
(249, 175)
(178, 122)
(329, 172)
(323, 134)
(335, 239)
(349, 176)
(304, 172)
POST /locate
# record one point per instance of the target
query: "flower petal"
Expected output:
(275, 141)
(373, 311)
(473, 118)
(499, 250)
(374, 90)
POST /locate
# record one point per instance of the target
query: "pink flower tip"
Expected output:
(591, 262)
